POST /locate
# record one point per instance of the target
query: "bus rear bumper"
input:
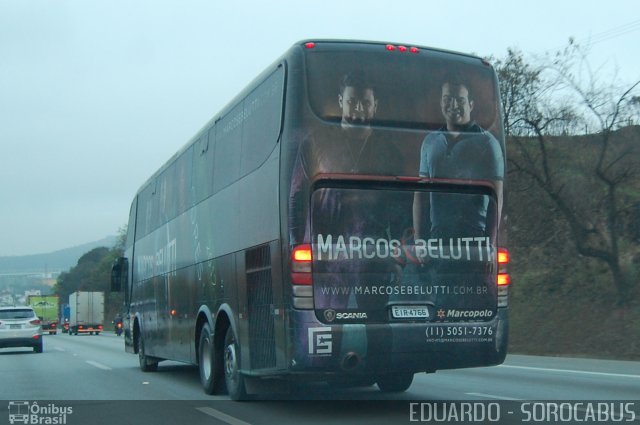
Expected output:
(397, 347)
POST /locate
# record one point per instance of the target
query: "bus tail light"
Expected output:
(301, 277)
(393, 48)
(503, 278)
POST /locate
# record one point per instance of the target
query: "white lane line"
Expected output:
(497, 397)
(59, 348)
(98, 365)
(222, 416)
(582, 372)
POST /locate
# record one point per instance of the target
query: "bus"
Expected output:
(339, 221)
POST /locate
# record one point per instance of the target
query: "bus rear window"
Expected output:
(407, 87)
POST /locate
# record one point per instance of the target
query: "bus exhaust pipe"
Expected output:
(350, 361)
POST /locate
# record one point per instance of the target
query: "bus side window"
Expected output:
(146, 218)
(202, 181)
(263, 116)
(183, 198)
(226, 168)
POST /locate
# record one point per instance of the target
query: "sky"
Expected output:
(97, 95)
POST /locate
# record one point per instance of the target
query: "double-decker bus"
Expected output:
(340, 221)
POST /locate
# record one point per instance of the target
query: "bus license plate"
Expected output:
(409, 312)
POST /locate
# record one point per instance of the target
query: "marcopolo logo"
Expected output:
(32, 413)
(452, 313)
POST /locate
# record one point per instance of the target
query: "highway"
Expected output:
(102, 383)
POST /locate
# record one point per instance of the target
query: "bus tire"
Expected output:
(233, 379)
(146, 363)
(395, 383)
(208, 365)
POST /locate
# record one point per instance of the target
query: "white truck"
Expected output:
(86, 312)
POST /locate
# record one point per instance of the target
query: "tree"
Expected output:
(564, 97)
(93, 273)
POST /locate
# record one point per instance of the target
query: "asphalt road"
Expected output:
(100, 383)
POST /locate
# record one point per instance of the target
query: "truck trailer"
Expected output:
(46, 308)
(86, 313)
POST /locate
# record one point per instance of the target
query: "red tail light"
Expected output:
(35, 322)
(503, 279)
(301, 277)
(301, 259)
(503, 256)
(119, 325)
(503, 261)
(100, 327)
(393, 48)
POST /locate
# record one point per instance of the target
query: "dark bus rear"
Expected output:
(373, 297)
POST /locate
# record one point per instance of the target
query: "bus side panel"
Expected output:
(259, 292)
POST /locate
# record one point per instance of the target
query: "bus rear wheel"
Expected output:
(147, 364)
(207, 362)
(232, 376)
(395, 383)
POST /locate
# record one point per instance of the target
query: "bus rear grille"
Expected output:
(262, 347)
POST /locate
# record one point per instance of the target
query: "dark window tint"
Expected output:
(228, 148)
(132, 217)
(18, 313)
(202, 182)
(262, 117)
(407, 86)
(181, 192)
(147, 210)
(166, 188)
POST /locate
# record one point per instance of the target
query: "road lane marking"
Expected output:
(98, 365)
(584, 372)
(497, 397)
(59, 348)
(222, 416)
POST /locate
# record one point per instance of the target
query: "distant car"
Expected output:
(20, 327)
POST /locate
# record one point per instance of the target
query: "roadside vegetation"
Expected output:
(573, 206)
(93, 273)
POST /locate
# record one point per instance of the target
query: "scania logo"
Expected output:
(330, 315)
(341, 316)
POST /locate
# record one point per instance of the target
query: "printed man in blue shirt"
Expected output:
(460, 150)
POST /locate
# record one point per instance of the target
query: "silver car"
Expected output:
(20, 327)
